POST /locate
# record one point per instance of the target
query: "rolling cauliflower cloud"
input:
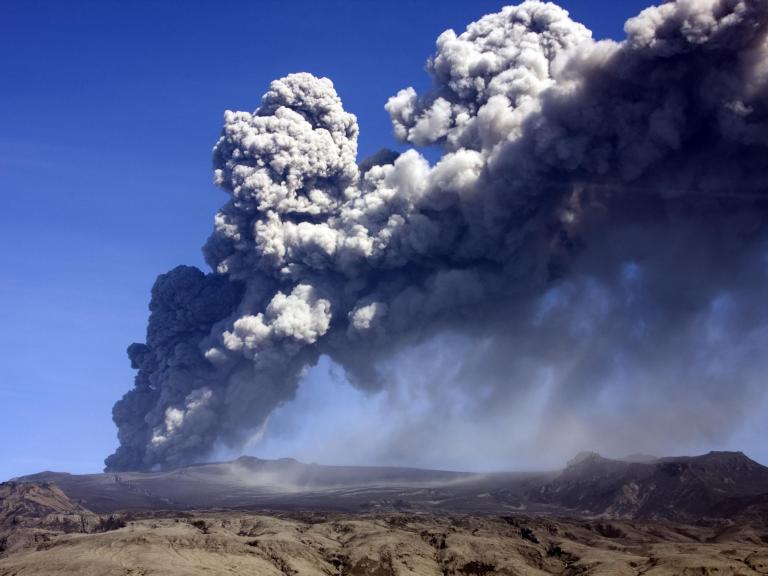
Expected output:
(597, 221)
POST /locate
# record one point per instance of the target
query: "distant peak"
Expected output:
(715, 457)
(584, 456)
(728, 458)
(726, 454)
(252, 461)
(45, 476)
(249, 460)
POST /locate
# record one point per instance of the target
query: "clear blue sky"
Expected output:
(108, 113)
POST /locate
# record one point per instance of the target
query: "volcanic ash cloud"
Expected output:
(597, 221)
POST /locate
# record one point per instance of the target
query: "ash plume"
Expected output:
(595, 228)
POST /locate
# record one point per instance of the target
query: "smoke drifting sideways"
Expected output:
(594, 233)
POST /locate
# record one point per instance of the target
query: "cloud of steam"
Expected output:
(594, 231)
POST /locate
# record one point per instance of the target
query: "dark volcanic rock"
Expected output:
(718, 484)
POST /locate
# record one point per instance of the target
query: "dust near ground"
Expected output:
(315, 543)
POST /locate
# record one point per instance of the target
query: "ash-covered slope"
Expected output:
(717, 484)
(288, 484)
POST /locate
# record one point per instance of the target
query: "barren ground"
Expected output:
(211, 543)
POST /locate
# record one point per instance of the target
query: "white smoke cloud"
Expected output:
(488, 78)
(594, 202)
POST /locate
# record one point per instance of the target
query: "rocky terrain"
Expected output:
(716, 485)
(32, 513)
(649, 516)
(299, 544)
(30, 501)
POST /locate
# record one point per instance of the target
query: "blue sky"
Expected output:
(108, 113)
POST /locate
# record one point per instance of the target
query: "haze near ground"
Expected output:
(701, 515)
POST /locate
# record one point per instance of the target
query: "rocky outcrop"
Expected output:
(717, 484)
(32, 504)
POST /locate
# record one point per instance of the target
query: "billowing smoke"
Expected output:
(595, 229)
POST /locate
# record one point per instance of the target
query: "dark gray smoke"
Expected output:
(596, 229)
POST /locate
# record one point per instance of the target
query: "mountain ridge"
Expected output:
(716, 484)
(669, 487)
